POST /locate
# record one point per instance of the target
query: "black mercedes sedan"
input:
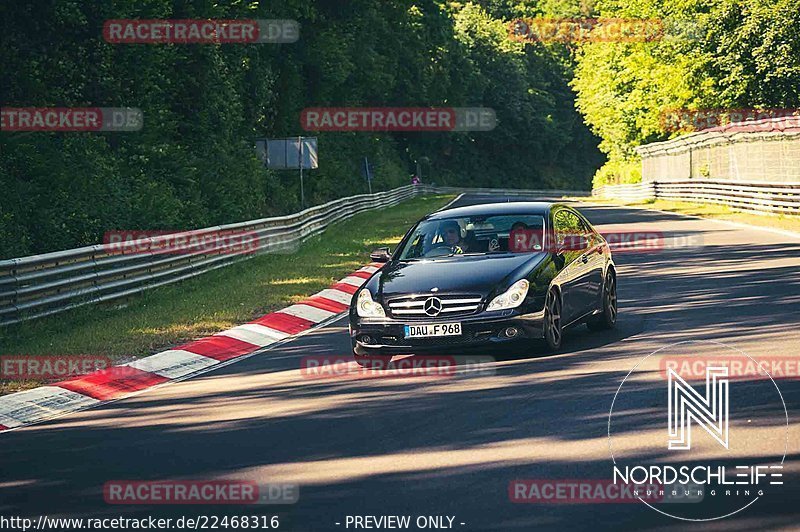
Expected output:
(483, 275)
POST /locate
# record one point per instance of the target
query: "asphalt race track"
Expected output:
(444, 446)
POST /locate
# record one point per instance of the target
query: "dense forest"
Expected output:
(564, 109)
(193, 163)
(715, 56)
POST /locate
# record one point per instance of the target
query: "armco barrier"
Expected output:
(41, 285)
(638, 192)
(549, 193)
(763, 198)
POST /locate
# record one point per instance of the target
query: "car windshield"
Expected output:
(474, 235)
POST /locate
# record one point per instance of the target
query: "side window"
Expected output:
(591, 233)
(568, 225)
(569, 231)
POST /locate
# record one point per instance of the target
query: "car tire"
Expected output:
(552, 329)
(377, 362)
(607, 319)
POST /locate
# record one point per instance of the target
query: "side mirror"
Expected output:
(381, 255)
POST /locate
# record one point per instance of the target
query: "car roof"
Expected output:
(515, 207)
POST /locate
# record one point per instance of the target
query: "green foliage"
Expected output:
(193, 164)
(616, 172)
(716, 54)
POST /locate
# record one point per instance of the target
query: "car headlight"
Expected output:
(511, 298)
(367, 308)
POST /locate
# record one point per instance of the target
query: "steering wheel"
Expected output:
(441, 249)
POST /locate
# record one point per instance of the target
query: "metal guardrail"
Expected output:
(510, 192)
(763, 198)
(42, 285)
(638, 192)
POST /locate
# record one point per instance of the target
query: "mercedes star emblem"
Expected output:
(433, 306)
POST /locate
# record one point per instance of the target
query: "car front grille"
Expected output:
(452, 305)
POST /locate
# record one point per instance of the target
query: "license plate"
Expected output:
(435, 329)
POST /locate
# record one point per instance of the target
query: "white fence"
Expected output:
(762, 198)
(755, 151)
(637, 193)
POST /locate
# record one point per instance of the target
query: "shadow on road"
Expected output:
(449, 445)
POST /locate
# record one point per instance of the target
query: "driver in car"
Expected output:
(451, 232)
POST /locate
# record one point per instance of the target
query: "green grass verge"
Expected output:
(171, 315)
(717, 212)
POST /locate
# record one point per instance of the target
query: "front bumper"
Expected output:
(486, 329)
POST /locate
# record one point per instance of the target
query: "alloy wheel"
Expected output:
(611, 299)
(553, 320)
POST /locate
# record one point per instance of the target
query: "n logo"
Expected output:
(685, 405)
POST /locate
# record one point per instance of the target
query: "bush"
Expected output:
(618, 173)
